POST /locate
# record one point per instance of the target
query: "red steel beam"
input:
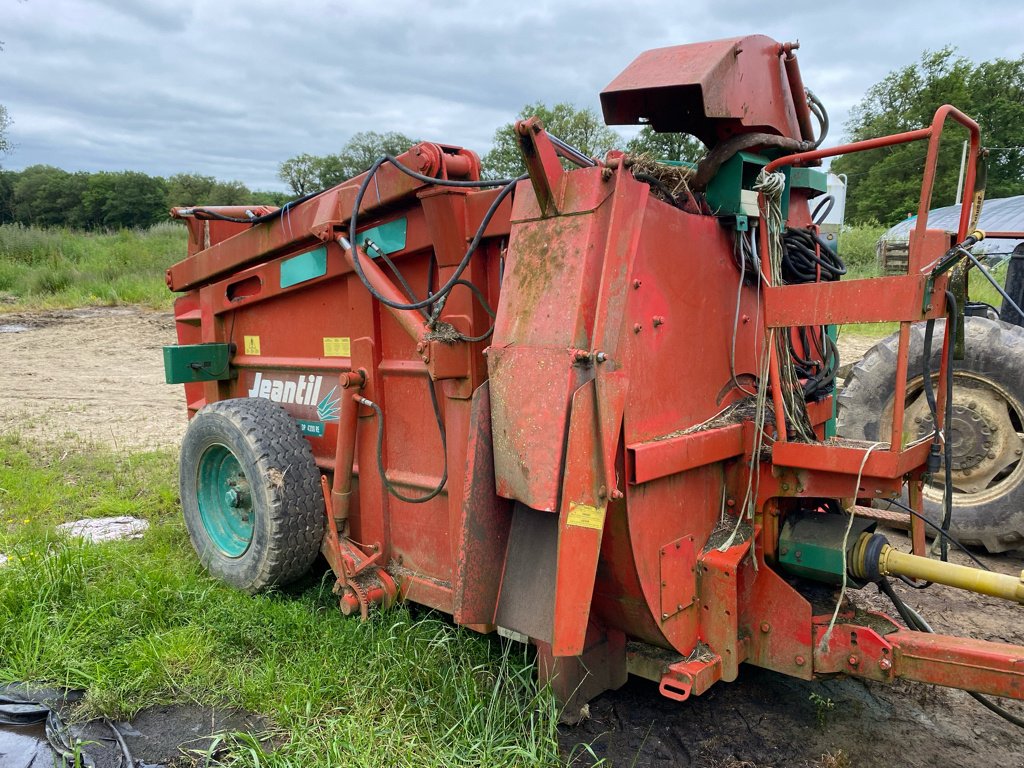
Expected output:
(933, 133)
(312, 220)
(960, 662)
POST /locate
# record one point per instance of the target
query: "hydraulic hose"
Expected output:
(352, 242)
(947, 426)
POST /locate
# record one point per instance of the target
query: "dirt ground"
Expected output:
(98, 373)
(765, 719)
(158, 737)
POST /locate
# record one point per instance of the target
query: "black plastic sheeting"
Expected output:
(34, 733)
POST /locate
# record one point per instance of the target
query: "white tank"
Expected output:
(833, 223)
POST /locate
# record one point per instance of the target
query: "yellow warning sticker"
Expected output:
(337, 346)
(585, 516)
(252, 345)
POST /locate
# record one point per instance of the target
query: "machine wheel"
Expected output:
(251, 494)
(988, 425)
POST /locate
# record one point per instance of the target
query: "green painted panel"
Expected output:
(388, 237)
(809, 178)
(303, 267)
(187, 363)
(311, 428)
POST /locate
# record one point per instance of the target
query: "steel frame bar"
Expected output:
(933, 134)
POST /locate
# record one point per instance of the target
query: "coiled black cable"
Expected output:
(801, 259)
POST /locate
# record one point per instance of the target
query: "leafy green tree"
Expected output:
(666, 146)
(136, 200)
(189, 189)
(48, 196)
(885, 184)
(582, 128)
(264, 197)
(300, 173)
(361, 151)
(7, 179)
(230, 193)
(307, 173)
(125, 199)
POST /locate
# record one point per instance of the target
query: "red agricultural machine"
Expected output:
(589, 407)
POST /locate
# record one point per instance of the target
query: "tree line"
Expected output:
(582, 128)
(44, 196)
(884, 185)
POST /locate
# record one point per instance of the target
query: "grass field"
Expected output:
(138, 623)
(57, 268)
(857, 249)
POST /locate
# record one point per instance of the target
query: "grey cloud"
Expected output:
(232, 88)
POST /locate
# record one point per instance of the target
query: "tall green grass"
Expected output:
(49, 268)
(138, 623)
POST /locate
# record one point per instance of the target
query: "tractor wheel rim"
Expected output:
(225, 501)
(985, 417)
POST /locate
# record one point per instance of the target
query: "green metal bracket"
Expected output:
(809, 178)
(730, 192)
(811, 545)
(188, 363)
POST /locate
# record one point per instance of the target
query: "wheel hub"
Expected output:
(225, 503)
(984, 438)
(971, 433)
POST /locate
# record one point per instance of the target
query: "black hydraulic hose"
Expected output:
(658, 184)
(403, 282)
(947, 427)
(434, 180)
(800, 258)
(486, 307)
(818, 109)
(457, 275)
(995, 283)
(938, 529)
(380, 450)
(827, 202)
(256, 219)
(914, 620)
(929, 390)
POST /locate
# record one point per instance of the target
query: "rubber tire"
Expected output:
(994, 350)
(284, 481)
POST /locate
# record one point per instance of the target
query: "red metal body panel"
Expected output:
(712, 90)
(594, 411)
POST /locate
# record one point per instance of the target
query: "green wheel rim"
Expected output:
(225, 501)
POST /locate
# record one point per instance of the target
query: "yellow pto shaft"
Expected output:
(889, 561)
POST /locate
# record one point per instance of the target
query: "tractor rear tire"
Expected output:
(251, 494)
(988, 394)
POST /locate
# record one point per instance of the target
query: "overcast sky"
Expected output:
(230, 88)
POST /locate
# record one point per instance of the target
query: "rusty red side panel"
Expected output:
(711, 90)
